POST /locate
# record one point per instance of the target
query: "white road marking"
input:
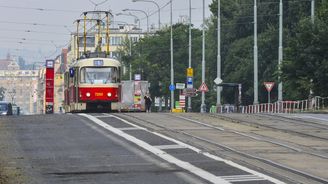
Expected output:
(173, 146)
(240, 178)
(104, 116)
(222, 160)
(185, 165)
(130, 128)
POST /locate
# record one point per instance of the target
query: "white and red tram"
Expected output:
(93, 84)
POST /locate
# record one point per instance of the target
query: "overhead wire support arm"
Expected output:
(99, 35)
(85, 34)
(77, 40)
(107, 34)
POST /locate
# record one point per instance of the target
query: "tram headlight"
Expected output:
(88, 94)
(109, 94)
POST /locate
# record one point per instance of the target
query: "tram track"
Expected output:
(260, 138)
(275, 125)
(230, 149)
(298, 121)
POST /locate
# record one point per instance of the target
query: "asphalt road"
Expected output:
(72, 149)
(105, 148)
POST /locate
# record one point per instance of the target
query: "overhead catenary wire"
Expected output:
(39, 9)
(32, 23)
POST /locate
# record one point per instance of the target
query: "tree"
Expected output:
(306, 63)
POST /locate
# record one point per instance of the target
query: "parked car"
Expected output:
(6, 108)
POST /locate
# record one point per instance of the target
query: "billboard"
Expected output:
(50, 76)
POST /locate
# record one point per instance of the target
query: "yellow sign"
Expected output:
(99, 94)
(190, 72)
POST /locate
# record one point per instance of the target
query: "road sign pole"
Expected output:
(189, 98)
(203, 105)
(171, 49)
(268, 96)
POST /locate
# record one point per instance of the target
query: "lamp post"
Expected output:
(171, 49)
(203, 105)
(218, 89)
(280, 51)
(147, 16)
(189, 98)
(159, 10)
(312, 11)
(256, 101)
(130, 14)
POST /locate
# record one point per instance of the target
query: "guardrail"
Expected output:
(316, 103)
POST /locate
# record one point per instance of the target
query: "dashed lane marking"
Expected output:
(104, 116)
(242, 178)
(169, 158)
(131, 128)
(185, 165)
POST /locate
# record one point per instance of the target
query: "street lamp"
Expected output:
(255, 52)
(130, 14)
(218, 89)
(159, 10)
(172, 70)
(203, 105)
(147, 16)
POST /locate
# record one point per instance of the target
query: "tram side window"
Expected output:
(104, 75)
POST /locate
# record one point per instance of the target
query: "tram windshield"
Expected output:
(104, 75)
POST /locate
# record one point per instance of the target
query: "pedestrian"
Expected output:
(10, 109)
(148, 102)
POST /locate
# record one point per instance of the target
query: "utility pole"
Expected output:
(203, 105)
(280, 51)
(130, 50)
(218, 89)
(189, 98)
(256, 101)
(312, 10)
(171, 48)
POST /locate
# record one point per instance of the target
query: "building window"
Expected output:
(134, 39)
(90, 41)
(116, 40)
(114, 54)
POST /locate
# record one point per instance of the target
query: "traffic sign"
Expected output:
(203, 87)
(190, 72)
(218, 81)
(190, 92)
(171, 87)
(137, 77)
(268, 85)
(180, 85)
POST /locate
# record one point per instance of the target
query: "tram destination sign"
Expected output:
(98, 62)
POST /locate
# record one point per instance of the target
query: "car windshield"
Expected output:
(98, 75)
(3, 107)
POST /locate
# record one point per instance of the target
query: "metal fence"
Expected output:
(316, 103)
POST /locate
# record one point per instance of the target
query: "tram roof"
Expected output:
(97, 62)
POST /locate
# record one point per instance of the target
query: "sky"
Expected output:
(38, 29)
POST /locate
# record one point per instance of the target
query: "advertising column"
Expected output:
(49, 105)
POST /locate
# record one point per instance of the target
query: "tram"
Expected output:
(92, 82)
